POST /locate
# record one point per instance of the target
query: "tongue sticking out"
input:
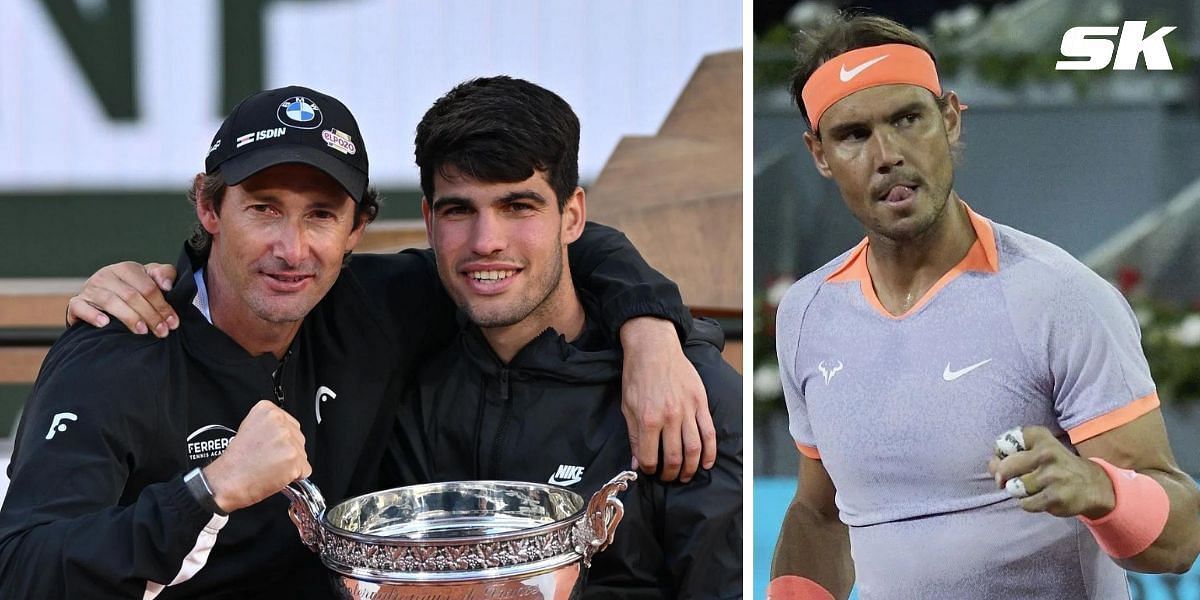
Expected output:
(899, 194)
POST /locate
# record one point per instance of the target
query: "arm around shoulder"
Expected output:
(606, 264)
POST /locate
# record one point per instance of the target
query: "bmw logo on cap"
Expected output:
(299, 112)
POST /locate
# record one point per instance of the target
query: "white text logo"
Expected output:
(567, 475)
(208, 442)
(1095, 52)
(255, 136)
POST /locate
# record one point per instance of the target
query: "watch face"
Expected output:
(198, 476)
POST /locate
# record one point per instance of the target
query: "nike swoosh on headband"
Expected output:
(845, 75)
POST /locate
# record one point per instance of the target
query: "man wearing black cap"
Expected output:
(128, 479)
(115, 489)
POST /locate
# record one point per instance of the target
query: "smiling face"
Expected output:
(500, 247)
(888, 150)
(278, 243)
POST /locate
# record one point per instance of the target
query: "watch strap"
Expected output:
(198, 486)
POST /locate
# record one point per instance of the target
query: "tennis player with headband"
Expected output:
(905, 358)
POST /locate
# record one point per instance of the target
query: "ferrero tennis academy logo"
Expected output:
(208, 442)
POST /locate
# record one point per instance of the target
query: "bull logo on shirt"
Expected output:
(830, 371)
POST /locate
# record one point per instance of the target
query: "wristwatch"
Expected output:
(197, 485)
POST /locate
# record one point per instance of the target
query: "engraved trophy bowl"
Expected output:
(479, 540)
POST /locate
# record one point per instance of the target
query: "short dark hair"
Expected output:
(500, 129)
(848, 31)
(212, 186)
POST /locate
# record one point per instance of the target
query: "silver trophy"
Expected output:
(477, 540)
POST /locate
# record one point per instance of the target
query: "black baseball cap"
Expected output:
(291, 124)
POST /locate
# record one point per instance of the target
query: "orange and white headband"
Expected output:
(859, 69)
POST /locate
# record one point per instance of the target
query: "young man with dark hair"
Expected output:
(904, 359)
(530, 389)
(463, 130)
(128, 480)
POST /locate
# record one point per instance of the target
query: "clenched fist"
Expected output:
(1055, 480)
(266, 454)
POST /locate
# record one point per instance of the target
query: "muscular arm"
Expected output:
(1064, 484)
(1141, 445)
(813, 542)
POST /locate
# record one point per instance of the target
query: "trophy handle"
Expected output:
(604, 511)
(306, 510)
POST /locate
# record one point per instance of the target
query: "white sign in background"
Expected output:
(620, 63)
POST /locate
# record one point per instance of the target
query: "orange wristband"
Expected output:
(1138, 517)
(794, 587)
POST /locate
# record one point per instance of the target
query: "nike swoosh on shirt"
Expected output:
(949, 375)
(565, 482)
(845, 75)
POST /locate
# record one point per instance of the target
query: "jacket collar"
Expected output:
(200, 337)
(550, 355)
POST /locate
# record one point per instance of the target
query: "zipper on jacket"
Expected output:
(278, 390)
(277, 379)
(480, 409)
(502, 429)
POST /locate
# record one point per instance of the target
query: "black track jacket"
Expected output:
(553, 415)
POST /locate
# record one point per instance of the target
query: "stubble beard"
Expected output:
(279, 315)
(534, 304)
(284, 310)
(925, 226)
